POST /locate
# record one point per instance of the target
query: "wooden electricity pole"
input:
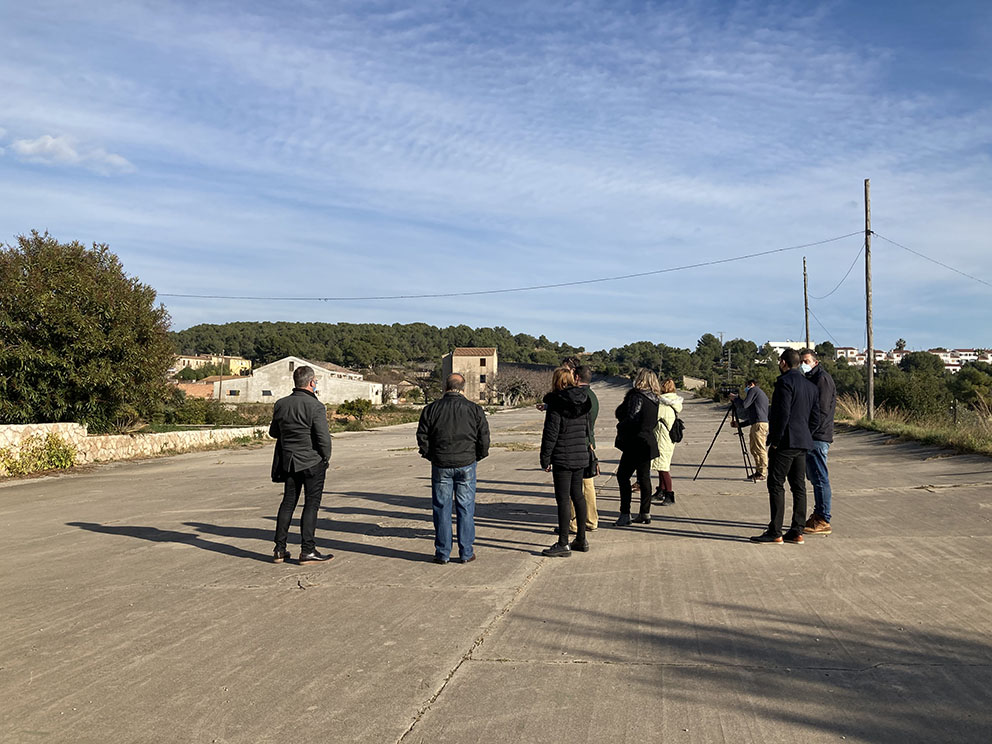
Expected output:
(806, 301)
(870, 352)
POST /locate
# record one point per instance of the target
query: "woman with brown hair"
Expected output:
(637, 417)
(670, 405)
(565, 452)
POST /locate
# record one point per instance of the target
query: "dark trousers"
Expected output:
(311, 481)
(568, 489)
(791, 464)
(629, 462)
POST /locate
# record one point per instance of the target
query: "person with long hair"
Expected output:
(637, 418)
(565, 452)
(670, 405)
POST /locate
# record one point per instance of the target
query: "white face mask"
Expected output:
(805, 367)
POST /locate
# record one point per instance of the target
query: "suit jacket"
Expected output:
(299, 423)
(795, 412)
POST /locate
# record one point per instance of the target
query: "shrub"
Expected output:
(38, 453)
(359, 408)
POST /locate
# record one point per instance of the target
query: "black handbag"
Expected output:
(592, 469)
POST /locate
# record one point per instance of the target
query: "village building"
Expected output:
(236, 364)
(478, 365)
(268, 383)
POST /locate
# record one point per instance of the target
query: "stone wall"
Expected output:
(109, 447)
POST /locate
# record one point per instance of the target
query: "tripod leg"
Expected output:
(713, 442)
(748, 468)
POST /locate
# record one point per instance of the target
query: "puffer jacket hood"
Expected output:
(571, 402)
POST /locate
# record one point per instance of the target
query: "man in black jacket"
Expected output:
(454, 435)
(753, 412)
(794, 415)
(303, 450)
(816, 459)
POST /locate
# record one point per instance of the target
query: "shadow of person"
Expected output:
(154, 534)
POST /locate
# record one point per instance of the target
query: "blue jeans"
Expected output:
(458, 485)
(816, 470)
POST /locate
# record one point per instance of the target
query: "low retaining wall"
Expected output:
(109, 447)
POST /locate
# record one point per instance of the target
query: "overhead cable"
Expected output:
(511, 289)
(933, 260)
(850, 268)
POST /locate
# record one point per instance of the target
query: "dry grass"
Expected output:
(971, 433)
(516, 446)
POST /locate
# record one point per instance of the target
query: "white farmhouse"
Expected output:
(272, 381)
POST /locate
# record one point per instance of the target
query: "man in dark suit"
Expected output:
(303, 450)
(794, 415)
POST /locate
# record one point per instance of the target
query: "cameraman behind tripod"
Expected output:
(753, 411)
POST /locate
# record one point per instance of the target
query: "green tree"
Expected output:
(80, 340)
(922, 361)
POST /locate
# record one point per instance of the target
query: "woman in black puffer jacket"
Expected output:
(565, 447)
(637, 417)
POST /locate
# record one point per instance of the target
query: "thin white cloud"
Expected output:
(63, 150)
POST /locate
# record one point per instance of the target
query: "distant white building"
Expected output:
(272, 381)
(779, 346)
(952, 359)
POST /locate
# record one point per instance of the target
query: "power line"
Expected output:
(823, 327)
(933, 260)
(850, 268)
(513, 289)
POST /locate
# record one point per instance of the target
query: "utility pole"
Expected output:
(870, 352)
(806, 301)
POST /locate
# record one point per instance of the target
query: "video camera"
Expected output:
(728, 389)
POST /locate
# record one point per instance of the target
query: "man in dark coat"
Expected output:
(454, 435)
(816, 459)
(303, 450)
(794, 415)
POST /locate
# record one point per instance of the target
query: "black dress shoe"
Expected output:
(642, 519)
(314, 557)
(582, 547)
(558, 551)
(440, 561)
(467, 560)
(279, 555)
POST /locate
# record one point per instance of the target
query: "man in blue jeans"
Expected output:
(454, 435)
(816, 459)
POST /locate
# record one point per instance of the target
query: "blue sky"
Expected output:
(329, 149)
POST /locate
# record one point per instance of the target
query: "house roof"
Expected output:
(474, 351)
(334, 367)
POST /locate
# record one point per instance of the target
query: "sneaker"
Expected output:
(817, 525)
(768, 538)
(557, 551)
(758, 477)
(582, 547)
(795, 538)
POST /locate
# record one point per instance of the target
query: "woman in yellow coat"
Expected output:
(669, 406)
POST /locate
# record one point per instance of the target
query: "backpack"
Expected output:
(677, 430)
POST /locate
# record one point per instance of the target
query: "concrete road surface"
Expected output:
(139, 604)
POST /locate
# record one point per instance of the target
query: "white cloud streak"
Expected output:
(63, 150)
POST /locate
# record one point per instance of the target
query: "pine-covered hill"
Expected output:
(362, 345)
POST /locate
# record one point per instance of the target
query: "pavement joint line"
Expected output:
(478, 642)
(754, 667)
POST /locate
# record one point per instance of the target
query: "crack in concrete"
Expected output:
(468, 655)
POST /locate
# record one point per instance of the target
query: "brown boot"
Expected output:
(816, 525)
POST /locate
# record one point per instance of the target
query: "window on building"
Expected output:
(234, 392)
(482, 378)
(482, 362)
(291, 366)
(266, 393)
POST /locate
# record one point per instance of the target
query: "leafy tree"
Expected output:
(973, 383)
(825, 350)
(359, 408)
(80, 340)
(922, 361)
(901, 344)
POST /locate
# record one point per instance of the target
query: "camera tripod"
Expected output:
(748, 468)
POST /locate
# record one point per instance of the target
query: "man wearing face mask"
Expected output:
(794, 415)
(303, 450)
(816, 459)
